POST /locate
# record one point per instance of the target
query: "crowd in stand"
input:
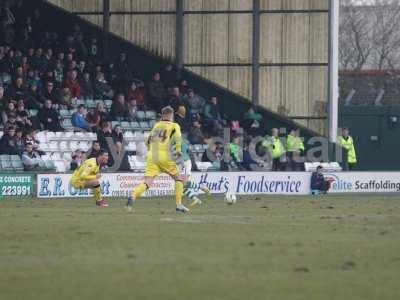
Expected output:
(40, 70)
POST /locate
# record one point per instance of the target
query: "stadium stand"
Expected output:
(57, 88)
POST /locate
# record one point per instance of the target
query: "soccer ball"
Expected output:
(230, 198)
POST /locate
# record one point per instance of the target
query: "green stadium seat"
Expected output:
(33, 112)
(17, 164)
(140, 115)
(65, 113)
(144, 125)
(5, 162)
(115, 123)
(135, 125)
(151, 115)
(125, 125)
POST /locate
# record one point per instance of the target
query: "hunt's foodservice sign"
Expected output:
(120, 184)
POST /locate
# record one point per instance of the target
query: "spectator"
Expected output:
(30, 138)
(195, 103)
(11, 119)
(132, 109)
(81, 69)
(236, 153)
(49, 117)
(95, 149)
(19, 141)
(119, 111)
(118, 138)
(249, 163)
(3, 99)
(38, 61)
(98, 115)
(122, 70)
(34, 78)
(86, 86)
(59, 73)
(157, 92)
(93, 50)
(136, 93)
(294, 150)
(49, 93)
(101, 89)
(177, 99)
(104, 136)
(63, 97)
(184, 87)
(213, 118)
(31, 159)
(348, 144)
(168, 76)
(76, 160)
(24, 122)
(181, 119)
(318, 182)
(196, 135)
(33, 97)
(17, 91)
(7, 142)
(252, 121)
(73, 84)
(79, 118)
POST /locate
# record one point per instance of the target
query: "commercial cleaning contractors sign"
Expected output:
(120, 184)
(16, 185)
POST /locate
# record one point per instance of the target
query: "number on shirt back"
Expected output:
(159, 134)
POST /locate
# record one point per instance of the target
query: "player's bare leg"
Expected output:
(95, 186)
(139, 191)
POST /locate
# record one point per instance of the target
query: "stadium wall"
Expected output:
(218, 41)
(376, 131)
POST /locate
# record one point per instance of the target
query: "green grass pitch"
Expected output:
(332, 247)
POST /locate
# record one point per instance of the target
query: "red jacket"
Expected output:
(73, 86)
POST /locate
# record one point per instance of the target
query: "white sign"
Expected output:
(364, 182)
(120, 184)
(291, 183)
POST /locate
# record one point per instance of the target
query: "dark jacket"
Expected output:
(317, 181)
(45, 114)
(7, 145)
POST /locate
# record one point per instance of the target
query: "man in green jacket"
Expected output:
(294, 150)
(348, 144)
(276, 149)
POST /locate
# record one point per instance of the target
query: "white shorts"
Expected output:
(186, 168)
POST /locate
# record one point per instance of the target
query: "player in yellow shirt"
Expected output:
(87, 176)
(160, 158)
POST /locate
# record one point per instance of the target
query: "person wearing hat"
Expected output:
(347, 142)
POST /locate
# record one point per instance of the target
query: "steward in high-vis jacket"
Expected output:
(276, 149)
(348, 144)
(294, 150)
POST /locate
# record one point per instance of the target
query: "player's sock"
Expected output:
(178, 192)
(190, 193)
(139, 190)
(97, 193)
(204, 188)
